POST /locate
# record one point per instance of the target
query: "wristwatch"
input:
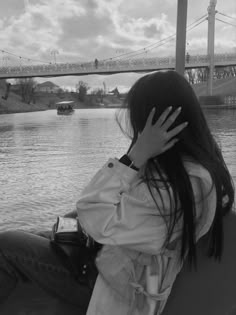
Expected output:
(127, 161)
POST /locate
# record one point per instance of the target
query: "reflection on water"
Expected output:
(223, 125)
(46, 159)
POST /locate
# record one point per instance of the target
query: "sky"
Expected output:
(82, 30)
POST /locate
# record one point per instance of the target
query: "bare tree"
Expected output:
(82, 89)
(27, 89)
(8, 86)
(190, 75)
(99, 93)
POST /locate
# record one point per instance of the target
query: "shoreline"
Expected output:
(21, 111)
(46, 109)
(108, 107)
(31, 110)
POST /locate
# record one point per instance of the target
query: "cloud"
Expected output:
(84, 30)
(88, 26)
(40, 23)
(151, 31)
(11, 8)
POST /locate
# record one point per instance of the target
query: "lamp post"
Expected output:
(54, 52)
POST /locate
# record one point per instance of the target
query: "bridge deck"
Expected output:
(112, 66)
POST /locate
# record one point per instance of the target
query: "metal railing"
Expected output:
(107, 66)
(230, 100)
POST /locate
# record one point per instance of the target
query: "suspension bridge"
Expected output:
(113, 66)
(133, 61)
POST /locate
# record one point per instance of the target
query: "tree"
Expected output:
(82, 89)
(99, 93)
(190, 73)
(8, 86)
(201, 75)
(27, 89)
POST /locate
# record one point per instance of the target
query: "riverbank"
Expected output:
(13, 108)
(14, 104)
(46, 101)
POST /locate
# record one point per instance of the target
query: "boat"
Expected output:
(65, 108)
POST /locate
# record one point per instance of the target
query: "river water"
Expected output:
(46, 159)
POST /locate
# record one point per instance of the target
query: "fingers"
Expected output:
(163, 117)
(165, 122)
(173, 132)
(169, 121)
(170, 144)
(150, 117)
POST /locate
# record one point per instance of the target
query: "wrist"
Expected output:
(125, 159)
(137, 158)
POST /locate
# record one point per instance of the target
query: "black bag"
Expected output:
(77, 249)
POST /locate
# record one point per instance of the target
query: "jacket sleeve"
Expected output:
(114, 216)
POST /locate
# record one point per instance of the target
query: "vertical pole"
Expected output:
(211, 44)
(181, 36)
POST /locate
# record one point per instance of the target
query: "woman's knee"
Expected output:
(12, 241)
(6, 237)
(26, 246)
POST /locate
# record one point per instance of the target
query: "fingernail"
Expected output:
(154, 108)
(186, 123)
(170, 108)
(179, 109)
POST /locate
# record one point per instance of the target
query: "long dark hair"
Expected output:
(164, 89)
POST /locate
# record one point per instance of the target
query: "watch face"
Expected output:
(127, 160)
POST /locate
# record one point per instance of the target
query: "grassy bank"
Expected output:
(45, 101)
(14, 104)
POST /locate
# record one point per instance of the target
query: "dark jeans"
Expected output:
(29, 257)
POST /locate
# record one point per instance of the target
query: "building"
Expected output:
(48, 87)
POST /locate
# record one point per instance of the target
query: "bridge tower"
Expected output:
(181, 36)
(211, 43)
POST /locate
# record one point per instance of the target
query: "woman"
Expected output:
(148, 209)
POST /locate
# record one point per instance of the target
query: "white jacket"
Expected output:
(135, 273)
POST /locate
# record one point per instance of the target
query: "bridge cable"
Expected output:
(230, 17)
(167, 39)
(161, 43)
(175, 34)
(146, 47)
(25, 58)
(154, 44)
(157, 46)
(226, 22)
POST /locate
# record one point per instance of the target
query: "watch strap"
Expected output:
(128, 162)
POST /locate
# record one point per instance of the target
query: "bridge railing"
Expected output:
(230, 100)
(114, 65)
(224, 57)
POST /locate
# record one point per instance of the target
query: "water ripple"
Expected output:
(45, 160)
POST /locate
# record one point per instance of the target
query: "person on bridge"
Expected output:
(187, 57)
(147, 209)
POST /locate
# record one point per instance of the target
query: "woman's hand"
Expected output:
(155, 139)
